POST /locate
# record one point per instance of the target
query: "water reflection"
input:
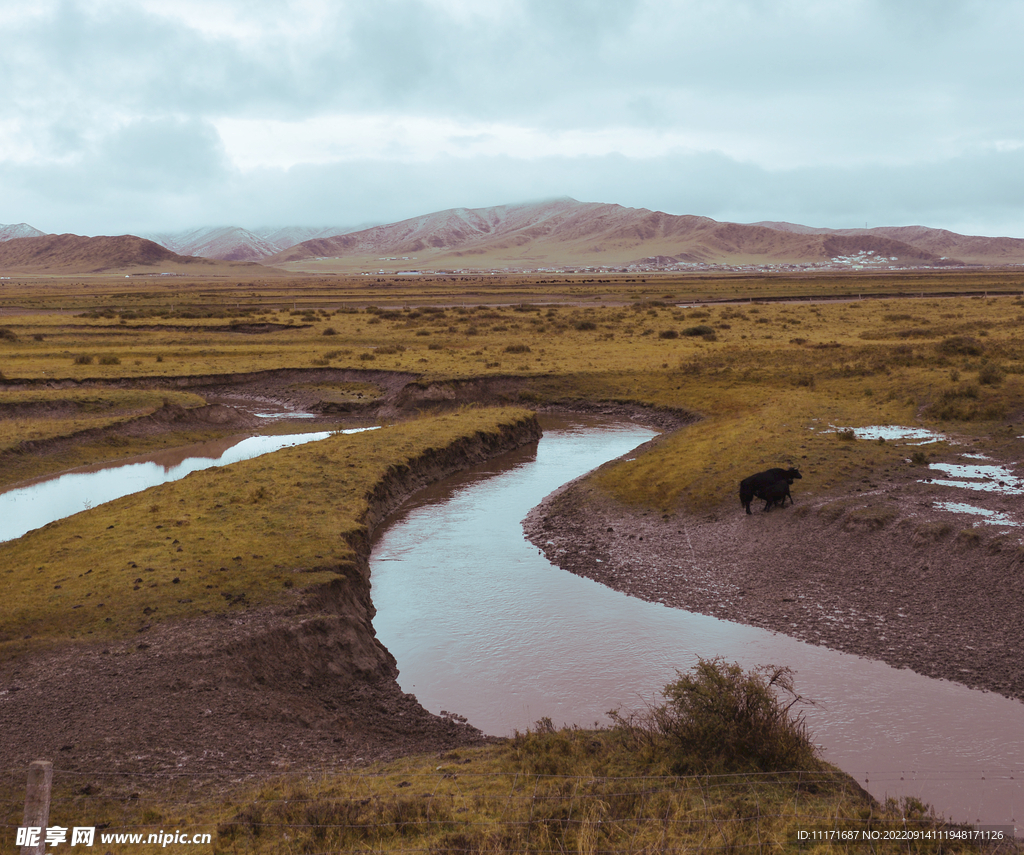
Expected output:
(482, 624)
(27, 508)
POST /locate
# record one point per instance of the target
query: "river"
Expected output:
(483, 625)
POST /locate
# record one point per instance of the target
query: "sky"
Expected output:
(142, 116)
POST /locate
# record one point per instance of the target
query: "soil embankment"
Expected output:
(304, 684)
(883, 573)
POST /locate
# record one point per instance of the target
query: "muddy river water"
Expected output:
(484, 626)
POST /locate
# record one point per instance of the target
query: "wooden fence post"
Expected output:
(37, 803)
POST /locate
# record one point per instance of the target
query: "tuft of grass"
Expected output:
(871, 517)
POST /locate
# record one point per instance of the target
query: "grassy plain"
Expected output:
(769, 379)
(773, 384)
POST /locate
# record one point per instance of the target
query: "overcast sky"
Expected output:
(149, 115)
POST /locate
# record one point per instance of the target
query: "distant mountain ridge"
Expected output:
(77, 254)
(231, 243)
(564, 231)
(554, 233)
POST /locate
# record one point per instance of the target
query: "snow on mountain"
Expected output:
(227, 243)
(232, 243)
(20, 230)
(288, 236)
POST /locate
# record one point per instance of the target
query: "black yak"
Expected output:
(756, 486)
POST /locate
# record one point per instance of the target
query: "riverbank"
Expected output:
(884, 572)
(300, 683)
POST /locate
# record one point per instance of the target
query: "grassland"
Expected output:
(543, 791)
(768, 379)
(770, 383)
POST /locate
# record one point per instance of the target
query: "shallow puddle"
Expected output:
(980, 477)
(889, 433)
(990, 517)
(26, 508)
(483, 625)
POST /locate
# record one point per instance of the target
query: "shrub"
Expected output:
(585, 325)
(668, 334)
(109, 360)
(960, 345)
(330, 331)
(389, 349)
(83, 359)
(518, 348)
(699, 330)
(991, 374)
(7, 334)
(719, 719)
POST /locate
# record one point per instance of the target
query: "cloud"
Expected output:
(864, 109)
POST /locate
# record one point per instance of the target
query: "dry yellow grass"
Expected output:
(766, 377)
(565, 791)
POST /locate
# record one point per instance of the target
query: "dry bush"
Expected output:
(719, 719)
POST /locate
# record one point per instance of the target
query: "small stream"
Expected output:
(483, 625)
(47, 499)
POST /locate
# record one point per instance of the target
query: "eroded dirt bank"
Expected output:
(884, 573)
(304, 684)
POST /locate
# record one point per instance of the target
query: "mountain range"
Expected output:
(231, 243)
(558, 233)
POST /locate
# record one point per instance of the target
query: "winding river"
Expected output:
(483, 625)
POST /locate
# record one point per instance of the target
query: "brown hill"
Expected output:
(943, 244)
(566, 232)
(77, 254)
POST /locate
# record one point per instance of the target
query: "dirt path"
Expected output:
(885, 573)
